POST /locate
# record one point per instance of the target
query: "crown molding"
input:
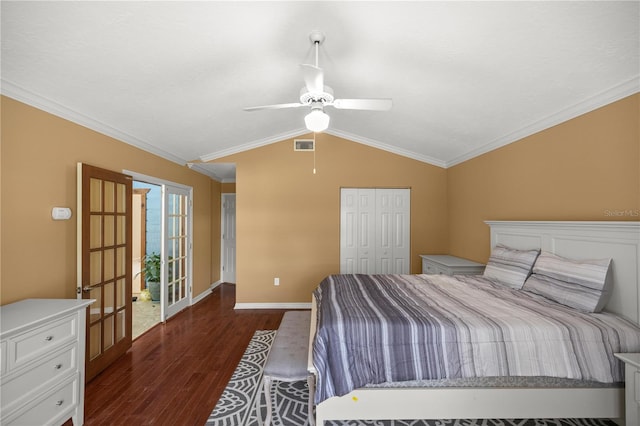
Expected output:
(25, 96)
(254, 144)
(620, 91)
(385, 147)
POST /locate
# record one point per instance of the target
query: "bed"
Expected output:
(619, 241)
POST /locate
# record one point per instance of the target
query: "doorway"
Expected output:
(168, 244)
(146, 241)
(228, 264)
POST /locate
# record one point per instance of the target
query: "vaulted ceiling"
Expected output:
(465, 77)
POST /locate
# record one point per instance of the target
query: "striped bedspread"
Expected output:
(390, 328)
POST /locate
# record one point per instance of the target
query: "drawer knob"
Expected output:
(59, 402)
(58, 366)
(48, 338)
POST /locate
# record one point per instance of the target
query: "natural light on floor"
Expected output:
(146, 314)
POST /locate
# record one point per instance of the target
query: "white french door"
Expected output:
(176, 253)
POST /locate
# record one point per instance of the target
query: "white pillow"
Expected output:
(509, 266)
(581, 284)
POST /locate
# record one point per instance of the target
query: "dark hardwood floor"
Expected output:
(175, 373)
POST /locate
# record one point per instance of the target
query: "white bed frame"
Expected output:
(576, 240)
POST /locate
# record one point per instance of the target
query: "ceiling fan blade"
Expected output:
(276, 106)
(366, 104)
(313, 78)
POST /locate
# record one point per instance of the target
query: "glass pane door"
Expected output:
(177, 257)
(104, 253)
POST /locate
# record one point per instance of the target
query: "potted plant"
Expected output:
(151, 270)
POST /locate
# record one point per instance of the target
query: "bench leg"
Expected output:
(257, 407)
(267, 396)
(311, 382)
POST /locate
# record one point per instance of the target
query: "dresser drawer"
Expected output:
(42, 340)
(54, 408)
(3, 357)
(28, 382)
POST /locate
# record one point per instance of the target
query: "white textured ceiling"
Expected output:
(465, 77)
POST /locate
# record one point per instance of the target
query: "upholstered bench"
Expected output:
(287, 359)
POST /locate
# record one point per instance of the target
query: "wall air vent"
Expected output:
(304, 145)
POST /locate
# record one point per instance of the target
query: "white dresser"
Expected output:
(632, 387)
(449, 265)
(42, 361)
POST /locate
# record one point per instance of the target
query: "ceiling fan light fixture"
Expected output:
(317, 120)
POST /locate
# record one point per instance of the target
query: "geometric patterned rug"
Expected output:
(237, 405)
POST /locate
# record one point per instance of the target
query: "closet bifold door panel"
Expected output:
(357, 231)
(374, 231)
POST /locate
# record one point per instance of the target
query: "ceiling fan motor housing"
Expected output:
(326, 96)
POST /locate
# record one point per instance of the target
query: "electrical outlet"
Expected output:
(276, 281)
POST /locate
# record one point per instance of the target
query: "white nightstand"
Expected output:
(632, 387)
(449, 265)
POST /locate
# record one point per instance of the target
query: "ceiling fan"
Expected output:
(316, 95)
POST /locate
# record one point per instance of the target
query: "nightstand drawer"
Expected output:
(16, 387)
(449, 265)
(431, 269)
(632, 386)
(42, 340)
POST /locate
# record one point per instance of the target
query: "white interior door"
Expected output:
(176, 263)
(384, 231)
(228, 273)
(357, 231)
(401, 235)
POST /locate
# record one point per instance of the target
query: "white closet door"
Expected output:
(366, 231)
(357, 231)
(374, 231)
(348, 230)
(384, 231)
(401, 231)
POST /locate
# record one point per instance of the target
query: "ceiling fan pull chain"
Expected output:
(314, 152)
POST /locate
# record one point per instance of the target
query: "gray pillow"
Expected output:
(581, 284)
(509, 266)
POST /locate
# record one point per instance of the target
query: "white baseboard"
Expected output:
(205, 293)
(272, 306)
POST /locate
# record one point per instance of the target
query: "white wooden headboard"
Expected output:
(585, 240)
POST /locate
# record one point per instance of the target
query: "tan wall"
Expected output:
(39, 156)
(587, 168)
(229, 188)
(288, 219)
